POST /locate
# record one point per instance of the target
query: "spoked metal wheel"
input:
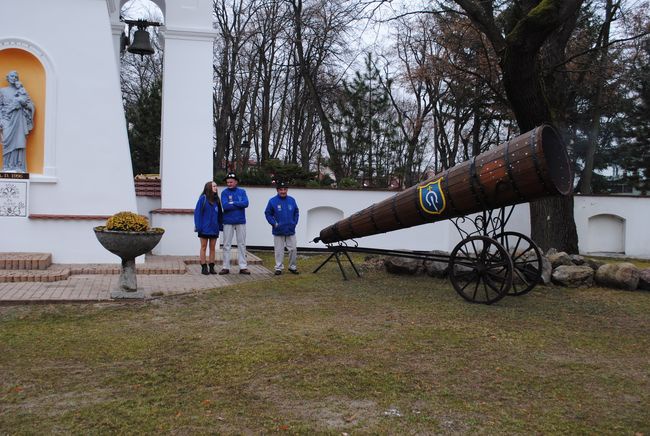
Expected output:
(526, 261)
(480, 270)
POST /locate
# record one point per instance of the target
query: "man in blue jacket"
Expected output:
(234, 203)
(282, 213)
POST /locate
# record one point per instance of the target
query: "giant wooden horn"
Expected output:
(532, 165)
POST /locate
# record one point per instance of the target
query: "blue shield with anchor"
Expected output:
(432, 199)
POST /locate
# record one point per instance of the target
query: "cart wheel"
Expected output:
(480, 270)
(526, 260)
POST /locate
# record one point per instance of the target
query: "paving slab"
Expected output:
(93, 282)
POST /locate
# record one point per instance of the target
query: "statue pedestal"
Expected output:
(14, 194)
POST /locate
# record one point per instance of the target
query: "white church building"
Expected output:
(78, 152)
(67, 55)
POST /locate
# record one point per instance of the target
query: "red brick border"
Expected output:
(9, 276)
(44, 216)
(25, 261)
(173, 211)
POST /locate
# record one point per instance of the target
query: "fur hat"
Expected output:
(231, 175)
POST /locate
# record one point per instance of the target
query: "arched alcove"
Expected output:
(320, 217)
(144, 5)
(32, 74)
(606, 233)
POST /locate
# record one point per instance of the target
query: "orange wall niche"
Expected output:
(32, 74)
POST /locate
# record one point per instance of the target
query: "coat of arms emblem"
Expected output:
(432, 199)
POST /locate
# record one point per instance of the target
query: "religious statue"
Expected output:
(16, 121)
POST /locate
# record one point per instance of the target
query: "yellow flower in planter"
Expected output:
(127, 235)
(127, 222)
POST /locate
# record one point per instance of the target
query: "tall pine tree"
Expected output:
(367, 128)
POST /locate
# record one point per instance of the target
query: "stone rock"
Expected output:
(547, 270)
(402, 265)
(577, 259)
(437, 268)
(644, 279)
(618, 275)
(573, 276)
(372, 263)
(559, 259)
(593, 263)
(551, 251)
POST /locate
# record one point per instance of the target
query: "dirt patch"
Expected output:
(327, 414)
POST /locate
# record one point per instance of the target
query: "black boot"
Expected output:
(204, 269)
(212, 271)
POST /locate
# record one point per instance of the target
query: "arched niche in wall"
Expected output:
(32, 74)
(320, 217)
(606, 234)
(138, 4)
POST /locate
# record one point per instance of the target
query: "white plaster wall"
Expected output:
(606, 233)
(186, 149)
(71, 241)
(634, 210)
(180, 237)
(441, 235)
(187, 109)
(92, 173)
(434, 236)
(146, 205)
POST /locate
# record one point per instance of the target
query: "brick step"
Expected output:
(25, 261)
(34, 275)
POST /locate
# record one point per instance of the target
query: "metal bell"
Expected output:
(141, 43)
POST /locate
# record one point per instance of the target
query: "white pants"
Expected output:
(228, 231)
(279, 243)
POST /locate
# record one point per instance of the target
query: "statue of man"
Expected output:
(16, 121)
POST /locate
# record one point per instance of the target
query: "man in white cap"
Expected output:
(234, 203)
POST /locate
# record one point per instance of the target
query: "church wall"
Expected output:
(87, 162)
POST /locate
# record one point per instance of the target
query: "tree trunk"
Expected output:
(335, 162)
(594, 130)
(554, 226)
(552, 223)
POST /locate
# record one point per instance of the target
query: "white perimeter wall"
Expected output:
(321, 208)
(613, 224)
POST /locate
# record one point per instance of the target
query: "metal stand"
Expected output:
(337, 251)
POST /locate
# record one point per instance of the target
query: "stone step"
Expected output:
(149, 268)
(34, 275)
(25, 261)
(251, 259)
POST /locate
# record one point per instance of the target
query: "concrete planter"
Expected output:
(128, 246)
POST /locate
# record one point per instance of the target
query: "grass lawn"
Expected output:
(315, 354)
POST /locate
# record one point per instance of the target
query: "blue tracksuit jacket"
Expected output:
(207, 217)
(282, 214)
(234, 203)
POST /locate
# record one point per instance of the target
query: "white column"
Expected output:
(186, 149)
(117, 27)
(116, 31)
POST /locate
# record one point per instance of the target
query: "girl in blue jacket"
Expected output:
(208, 222)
